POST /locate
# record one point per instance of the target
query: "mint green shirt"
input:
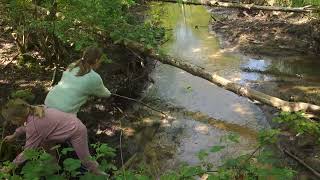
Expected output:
(73, 91)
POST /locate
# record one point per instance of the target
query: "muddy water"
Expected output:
(204, 113)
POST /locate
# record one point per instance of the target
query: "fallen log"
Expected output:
(306, 9)
(226, 84)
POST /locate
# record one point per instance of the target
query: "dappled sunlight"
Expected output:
(239, 108)
(216, 55)
(4, 81)
(235, 79)
(230, 49)
(246, 132)
(194, 50)
(202, 128)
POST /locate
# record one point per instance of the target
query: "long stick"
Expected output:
(316, 173)
(131, 99)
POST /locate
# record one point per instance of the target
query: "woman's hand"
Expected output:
(10, 138)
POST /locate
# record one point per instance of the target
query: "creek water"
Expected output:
(205, 113)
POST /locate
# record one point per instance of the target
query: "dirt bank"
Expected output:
(270, 34)
(273, 35)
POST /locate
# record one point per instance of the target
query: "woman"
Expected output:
(45, 127)
(78, 82)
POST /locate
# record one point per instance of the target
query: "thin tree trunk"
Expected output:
(247, 6)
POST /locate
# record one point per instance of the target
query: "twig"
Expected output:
(124, 97)
(129, 162)
(8, 63)
(134, 53)
(53, 79)
(316, 173)
(120, 143)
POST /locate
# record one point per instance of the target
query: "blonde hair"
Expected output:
(18, 108)
(89, 58)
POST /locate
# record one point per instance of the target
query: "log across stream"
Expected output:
(206, 112)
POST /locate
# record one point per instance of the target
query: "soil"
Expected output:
(268, 34)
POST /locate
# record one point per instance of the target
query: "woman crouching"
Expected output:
(45, 127)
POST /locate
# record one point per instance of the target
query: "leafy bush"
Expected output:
(257, 165)
(26, 95)
(299, 123)
(53, 25)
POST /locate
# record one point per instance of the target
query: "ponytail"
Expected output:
(90, 57)
(36, 111)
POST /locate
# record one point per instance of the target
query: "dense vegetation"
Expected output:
(54, 27)
(261, 164)
(299, 3)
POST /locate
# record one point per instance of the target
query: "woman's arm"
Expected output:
(19, 131)
(33, 141)
(98, 88)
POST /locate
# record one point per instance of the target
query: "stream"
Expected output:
(204, 113)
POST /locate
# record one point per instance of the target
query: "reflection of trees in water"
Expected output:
(300, 67)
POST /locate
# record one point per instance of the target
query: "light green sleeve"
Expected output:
(98, 88)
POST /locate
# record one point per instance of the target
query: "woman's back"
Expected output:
(73, 91)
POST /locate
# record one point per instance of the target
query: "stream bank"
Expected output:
(283, 49)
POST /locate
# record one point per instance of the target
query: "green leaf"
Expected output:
(202, 154)
(66, 150)
(71, 165)
(234, 138)
(189, 171)
(90, 176)
(216, 148)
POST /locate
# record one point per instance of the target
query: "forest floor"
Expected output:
(264, 35)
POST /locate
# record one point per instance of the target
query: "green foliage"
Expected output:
(26, 95)
(298, 122)
(71, 166)
(216, 148)
(254, 166)
(40, 164)
(269, 136)
(298, 3)
(51, 25)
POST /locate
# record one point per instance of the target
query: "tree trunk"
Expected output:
(247, 6)
(222, 82)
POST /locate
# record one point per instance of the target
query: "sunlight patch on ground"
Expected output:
(239, 108)
(216, 55)
(202, 128)
(194, 50)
